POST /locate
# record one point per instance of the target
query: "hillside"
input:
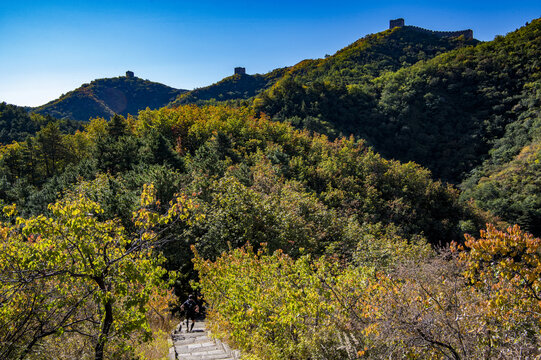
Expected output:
(447, 112)
(375, 54)
(442, 113)
(109, 96)
(512, 191)
(359, 62)
(234, 87)
(507, 183)
(16, 123)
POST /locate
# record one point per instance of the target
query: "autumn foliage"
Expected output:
(348, 267)
(73, 274)
(480, 300)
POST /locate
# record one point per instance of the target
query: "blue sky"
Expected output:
(51, 47)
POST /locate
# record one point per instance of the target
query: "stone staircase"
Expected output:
(198, 345)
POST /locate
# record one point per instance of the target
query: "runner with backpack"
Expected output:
(191, 309)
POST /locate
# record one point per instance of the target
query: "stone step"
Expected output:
(188, 339)
(195, 333)
(192, 340)
(213, 352)
(206, 357)
(188, 349)
(197, 343)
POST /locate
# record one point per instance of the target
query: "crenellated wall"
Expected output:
(468, 34)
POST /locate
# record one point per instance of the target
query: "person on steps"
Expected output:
(191, 309)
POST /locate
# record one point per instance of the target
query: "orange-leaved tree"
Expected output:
(506, 267)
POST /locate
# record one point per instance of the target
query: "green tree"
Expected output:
(74, 273)
(51, 147)
(117, 149)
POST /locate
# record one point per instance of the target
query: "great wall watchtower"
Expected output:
(468, 34)
(396, 23)
(240, 70)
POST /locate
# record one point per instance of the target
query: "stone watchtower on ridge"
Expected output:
(396, 23)
(240, 71)
(130, 74)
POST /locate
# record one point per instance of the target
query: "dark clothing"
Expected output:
(190, 307)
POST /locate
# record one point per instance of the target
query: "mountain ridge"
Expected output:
(364, 59)
(106, 97)
(407, 46)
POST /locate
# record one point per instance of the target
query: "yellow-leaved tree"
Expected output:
(73, 273)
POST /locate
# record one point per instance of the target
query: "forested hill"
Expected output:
(246, 180)
(109, 96)
(234, 87)
(509, 182)
(359, 62)
(375, 54)
(443, 113)
(16, 123)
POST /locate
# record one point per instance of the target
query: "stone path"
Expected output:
(197, 345)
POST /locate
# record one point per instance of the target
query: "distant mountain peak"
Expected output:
(108, 96)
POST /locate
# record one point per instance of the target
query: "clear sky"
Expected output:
(51, 47)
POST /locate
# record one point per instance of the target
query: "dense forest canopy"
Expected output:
(16, 123)
(244, 178)
(200, 147)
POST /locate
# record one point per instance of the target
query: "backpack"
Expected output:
(189, 305)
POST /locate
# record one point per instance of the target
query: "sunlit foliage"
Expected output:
(75, 274)
(480, 301)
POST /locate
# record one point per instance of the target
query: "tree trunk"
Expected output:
(105, 325)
